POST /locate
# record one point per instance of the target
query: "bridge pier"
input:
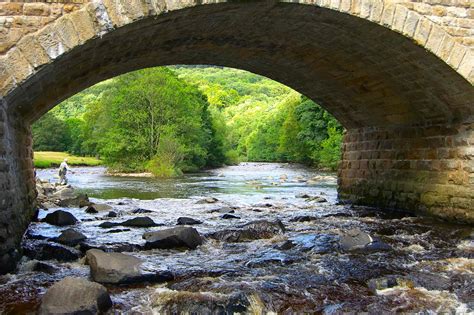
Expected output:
(17, 187)
(427, 170)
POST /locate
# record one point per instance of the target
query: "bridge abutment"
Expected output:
(428, 170)
(17, 187)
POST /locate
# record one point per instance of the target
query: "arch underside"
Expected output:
(409, 116)
(363, 73)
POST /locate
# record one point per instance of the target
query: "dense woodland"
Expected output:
(170, 120)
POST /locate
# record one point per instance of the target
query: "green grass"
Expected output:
(53, 159)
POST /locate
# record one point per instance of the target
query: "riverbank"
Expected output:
(48, 159)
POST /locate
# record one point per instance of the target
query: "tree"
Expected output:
(50, 134)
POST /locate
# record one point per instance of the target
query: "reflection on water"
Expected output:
(301, 271)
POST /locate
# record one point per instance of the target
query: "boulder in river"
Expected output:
(188, 221)
(303, 218)
(135, 222)
(139, 222)
(96, 208)
(354, 239)
(70, 237)
(229, 216)
(75, 296)
(177, 237)
(112, 267)
(250, 231)
(60, 218)
(42, 250)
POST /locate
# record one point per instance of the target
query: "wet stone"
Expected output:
(70, 237)
(303, 218)
(75, 296)
(117, 230)
(188, 221)
(118, 268)
(222, 210)
(46, 251)
(141, 211)
(139, 222)
(389, 282)
(207, 200)
(60, 218)
(250, 231)
(228, 216)
(354, 239)
(178, 237)
(184, 302)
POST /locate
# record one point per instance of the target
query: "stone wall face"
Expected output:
(17, 187)
(426, 169)
(19, 18)
(455, 16)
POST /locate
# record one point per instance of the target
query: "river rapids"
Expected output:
(419, 264)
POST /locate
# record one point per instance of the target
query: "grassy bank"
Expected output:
(53, 159)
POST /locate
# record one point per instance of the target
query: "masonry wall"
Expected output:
(17, 187)
(429, 170)
(18, 18)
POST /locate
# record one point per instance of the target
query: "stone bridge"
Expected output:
(397, 74)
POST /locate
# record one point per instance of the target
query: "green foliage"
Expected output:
(150, 119)
(50, 134)
(178, 119)
(258, 119)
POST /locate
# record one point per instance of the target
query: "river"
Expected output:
(303, 270)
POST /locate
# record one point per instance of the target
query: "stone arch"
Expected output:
(398, 82)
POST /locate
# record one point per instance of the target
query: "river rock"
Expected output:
(354, 239)
(118, 268)
(207, 200)
(165, 301)
(118, 230)
(79, 201)
(303, 218)
(176, 237)
(139, 222)
(250, 231)
(112, 214)
(70, 237)
(75, 296)
(112, 267)
(188, 221)
(64, 193)
(141, 211)
(96, 208)
(389, 282)
(44, 267)
(60, 218)
(228, 216)
(46, 251)
(222, 210)
(111, 247)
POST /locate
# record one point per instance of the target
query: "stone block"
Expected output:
(36, 9)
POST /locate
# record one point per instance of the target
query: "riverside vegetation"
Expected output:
(170, 120)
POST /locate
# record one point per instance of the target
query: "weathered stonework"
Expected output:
(427, 169)
(397, 74)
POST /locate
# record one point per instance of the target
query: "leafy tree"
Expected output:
(50, 134)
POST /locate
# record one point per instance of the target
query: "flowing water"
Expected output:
(302, 271)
